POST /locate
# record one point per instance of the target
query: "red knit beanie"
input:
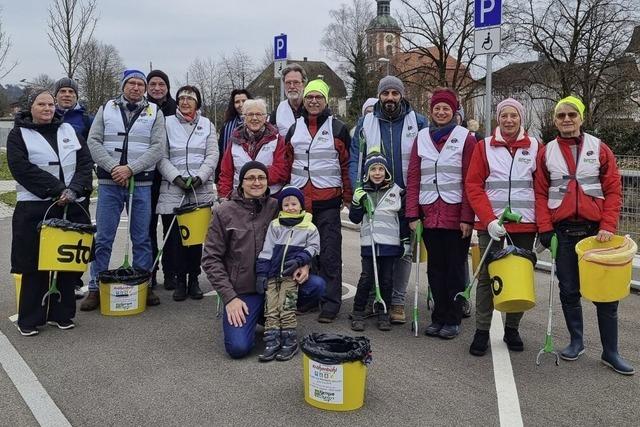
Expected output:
(444, 95)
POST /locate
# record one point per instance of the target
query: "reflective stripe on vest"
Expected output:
(42, 155)
(371, 129)
(139, 135)
(386, 225)
(284, 117)
(587, 170)
(315, 158)
(510, 180)
(441, 172)
(187, 152)
(264, 156)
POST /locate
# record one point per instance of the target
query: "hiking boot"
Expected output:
(326, 317)
(91, 301)
(180, 292)
(480, 343)
(449, 331)
(433, 329)
(169, 281)
(513, 340)
(384, 322)
(357, 321)
(271, 340)
(62, 324)
(397, 314)
(27, 331)
(289, 346)
(152, 298)
(194, 290)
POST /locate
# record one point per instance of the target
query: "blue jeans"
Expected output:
(311, 291)
(239, 341)
(111, 201)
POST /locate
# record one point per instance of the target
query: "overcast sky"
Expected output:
(172, 33)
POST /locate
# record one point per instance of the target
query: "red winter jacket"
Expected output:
(279, 171)
(438, 214)
(576, 205)
(478, 174)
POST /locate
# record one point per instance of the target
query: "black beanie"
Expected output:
(162, 75)
(248, 166)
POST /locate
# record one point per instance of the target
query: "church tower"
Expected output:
(383, 34)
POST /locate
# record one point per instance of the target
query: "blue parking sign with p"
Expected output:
(280, 47)
(487, 13)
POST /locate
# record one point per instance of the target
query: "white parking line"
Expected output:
(35, 396)
(506, 391)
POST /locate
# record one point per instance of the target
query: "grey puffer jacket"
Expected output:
(171, 194)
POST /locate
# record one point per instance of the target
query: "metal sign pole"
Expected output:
(488, 97)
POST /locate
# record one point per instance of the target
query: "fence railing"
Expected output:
(630, 214)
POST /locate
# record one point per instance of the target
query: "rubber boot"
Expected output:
(357, 321)
(194, 290)
(180, 292)
(608, 325)
(289, 345)
(271, 345)
(573, 317)
(384, 321)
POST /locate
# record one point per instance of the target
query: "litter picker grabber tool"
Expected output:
(548, 340)
(125, 263)
(378, 297)
(507, 215)
(53, 285)
(414, 323)
(362, 145)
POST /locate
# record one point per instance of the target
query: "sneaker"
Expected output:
(26, 331)
(91, 301)
(326, 317)
(79, 292)
(449, 331)
(62, 324)
(433, 329)
(513, 340)
(152, 298)
(466, 308)
(480, 343)
(397, 314)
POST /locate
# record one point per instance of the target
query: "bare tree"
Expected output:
(5, 47)
(205, 75)
(345, 41)
(71, 24)
(41, 81)
(238, 69)
(267, 57)
(98, 73)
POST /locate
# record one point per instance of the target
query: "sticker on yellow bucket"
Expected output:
(64, 250)
(326, 383)
(123, 297)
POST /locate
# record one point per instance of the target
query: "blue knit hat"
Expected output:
(132, 74)
(290, 190)
(375, 158)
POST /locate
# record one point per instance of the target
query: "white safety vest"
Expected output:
(587, 170)
(187, 151)
(264, 156)
(284, 117)
(386, 225)
(510, 180)
(371, 129)
(44, 157)
(139, 135)
(315, 158)
(441, 172)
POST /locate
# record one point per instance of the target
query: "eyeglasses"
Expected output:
(252, 178)
(254, 115)
(572, 115)
(314, 98)
(293, 83)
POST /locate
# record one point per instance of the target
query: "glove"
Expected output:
(545, 238)
(289, 267)
(69, 195)
(196, 182)
(180, 182)
(358, 196)
(496, 231)
(261, 284)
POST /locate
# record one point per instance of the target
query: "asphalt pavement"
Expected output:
(167, 366)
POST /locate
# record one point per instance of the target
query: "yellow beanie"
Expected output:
(574, 102)
(317, 86)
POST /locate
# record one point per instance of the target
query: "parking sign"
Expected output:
(280, 47)
(487, 13)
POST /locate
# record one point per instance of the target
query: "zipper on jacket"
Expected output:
(284, 253)
(513, 158)
(187, 147)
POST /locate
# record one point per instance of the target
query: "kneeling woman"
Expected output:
(49, 162)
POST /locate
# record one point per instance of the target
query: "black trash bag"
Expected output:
(127, 276)
(190, 207)
(334, 349)
(512, 250)
(67, 225)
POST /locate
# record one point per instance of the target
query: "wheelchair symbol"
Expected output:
(488, 43)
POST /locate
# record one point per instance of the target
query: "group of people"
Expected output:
(278, 185)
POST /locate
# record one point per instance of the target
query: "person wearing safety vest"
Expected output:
(318, 144)
(438, 166)
(52, 167)
(257, 140)
(501, 175)
(294, 78)
(390, 129)
(187, 166)
(126, 141)
(579, 194)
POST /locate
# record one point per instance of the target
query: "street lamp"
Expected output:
(272, 87)
(387, 60)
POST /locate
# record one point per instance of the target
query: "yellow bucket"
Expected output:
(123, 292)
(334, 387)
(193, 222)
(64, 249)
(512, 284)
(18, 279)
(605, 268)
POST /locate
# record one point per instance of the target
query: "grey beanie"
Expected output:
(391, 82)
(65, 82)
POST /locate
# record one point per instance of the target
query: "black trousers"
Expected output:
(367, 281)
(153, 224)
(330, 260)
(448, 253)
(176, 258)
(32, 313)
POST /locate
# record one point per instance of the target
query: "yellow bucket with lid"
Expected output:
(193, 222)
(605, 268)
(511, 271)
